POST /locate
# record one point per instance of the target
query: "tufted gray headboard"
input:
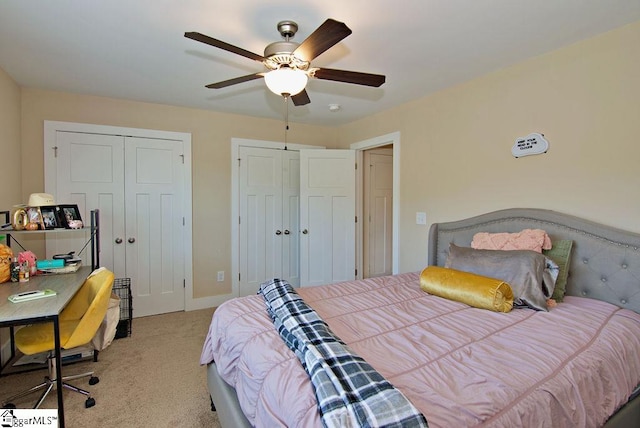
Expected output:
(605, 261)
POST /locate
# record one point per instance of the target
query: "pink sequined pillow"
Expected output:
(527, 239)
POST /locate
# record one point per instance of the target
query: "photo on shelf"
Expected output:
(70, 216)
(51, 217)
(35, 219)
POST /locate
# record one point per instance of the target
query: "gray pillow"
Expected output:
(531, 275)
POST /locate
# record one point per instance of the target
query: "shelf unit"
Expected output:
(93, 242)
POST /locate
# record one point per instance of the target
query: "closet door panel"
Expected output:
(327, 216)
(261, 229)
(291, 217)
(90, 174)
(154, 221)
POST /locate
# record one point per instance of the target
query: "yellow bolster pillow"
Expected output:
(474, 290)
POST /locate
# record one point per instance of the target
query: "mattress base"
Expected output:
(230, 414)
(225, 400)
(627, 416)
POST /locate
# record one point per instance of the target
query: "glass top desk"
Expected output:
(46, 309)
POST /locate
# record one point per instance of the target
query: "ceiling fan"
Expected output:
(289, 63)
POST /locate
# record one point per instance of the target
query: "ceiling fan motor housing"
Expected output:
(280, 53)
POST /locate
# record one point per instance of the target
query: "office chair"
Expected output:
(79, 321)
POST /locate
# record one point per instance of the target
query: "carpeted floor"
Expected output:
(151, 379)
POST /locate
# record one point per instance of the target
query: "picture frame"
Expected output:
(69, 213)
(51, 217)
(34, 216)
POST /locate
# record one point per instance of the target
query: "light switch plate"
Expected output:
(421, 217)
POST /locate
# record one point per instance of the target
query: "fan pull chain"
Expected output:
(286, 119)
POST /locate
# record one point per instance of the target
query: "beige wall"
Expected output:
(211, 160)
(455, 145)
(10, 149)
(9, 142)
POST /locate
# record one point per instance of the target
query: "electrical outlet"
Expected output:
(421, 218)
(220, 275)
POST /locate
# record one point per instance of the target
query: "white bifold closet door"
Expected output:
(269, 215)
(136, 183)
(296, 216)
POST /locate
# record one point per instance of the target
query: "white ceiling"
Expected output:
(136, 49)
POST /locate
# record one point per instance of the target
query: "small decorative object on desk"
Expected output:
(24, 272)
(29, 258)
(6, 259)
(15, 270)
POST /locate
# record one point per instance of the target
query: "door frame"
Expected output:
(236, 143)
(52, 127)
(392, 138)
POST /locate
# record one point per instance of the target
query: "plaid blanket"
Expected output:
(350, 392)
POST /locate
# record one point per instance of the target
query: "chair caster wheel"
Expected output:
(9, 406)
(93, 380)
(89, 403)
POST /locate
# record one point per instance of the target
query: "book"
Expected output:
(48, 264)
(69, 268)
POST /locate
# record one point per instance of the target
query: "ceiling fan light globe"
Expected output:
(286, 81)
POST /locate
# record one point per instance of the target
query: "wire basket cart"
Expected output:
(122, 289)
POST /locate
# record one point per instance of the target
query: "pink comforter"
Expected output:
(460, 366)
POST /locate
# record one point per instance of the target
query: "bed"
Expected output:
(577, 364)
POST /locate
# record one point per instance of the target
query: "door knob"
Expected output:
(286, 231)
(278, 232)
(305, 231)
(131, 240)
(118, 240)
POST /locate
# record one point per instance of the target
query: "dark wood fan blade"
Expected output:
(223, 45)
(358, 78)
(325, 36)
(301, 98)
(237, 80)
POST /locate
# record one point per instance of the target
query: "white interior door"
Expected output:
(154, 179)
(327, 216)
(378, 203)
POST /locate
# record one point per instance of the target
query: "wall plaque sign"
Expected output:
(532, 144)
